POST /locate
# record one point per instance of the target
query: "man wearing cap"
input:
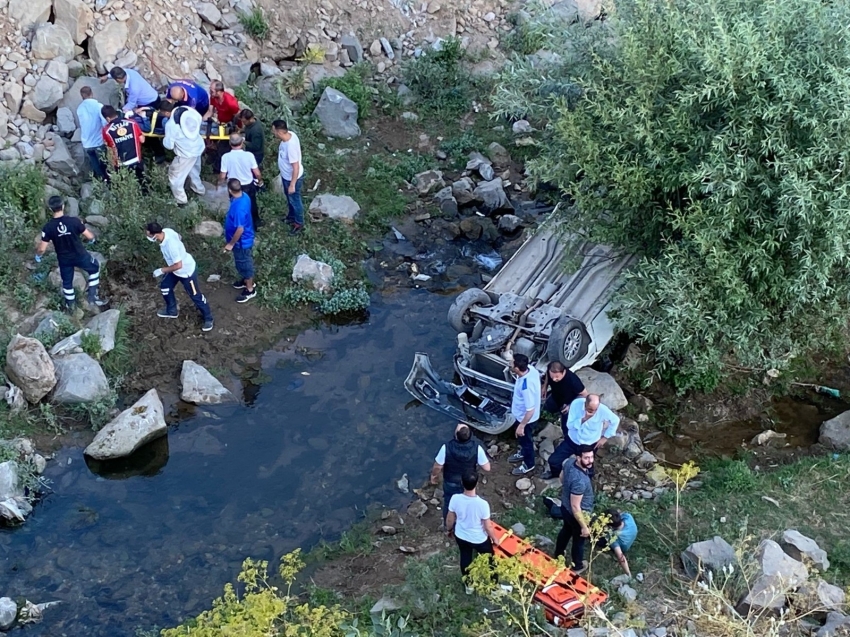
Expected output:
(183, 136)
(65, 232)
(138, 93)
(191, 94)
(240, 164)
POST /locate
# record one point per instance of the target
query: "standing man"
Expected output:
(578, 492)
(469, 521)
(255, 138)
(124, 140)
(183, 136)
(291, 173)
(91, 132)
(239, 234)
(525, 408)
(65, 233)
(191, 94)
(241, 165)
(225, 105)
(138, 93)
(459, 456)
(180, 267)
(589, 422)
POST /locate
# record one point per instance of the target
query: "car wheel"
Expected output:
(568, 342)
(459, 317)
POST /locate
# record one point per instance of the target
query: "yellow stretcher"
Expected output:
(209, 130)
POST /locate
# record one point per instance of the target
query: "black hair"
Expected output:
(556, 366)
(246, 113)
(153, 227)
(280, 124)
(108, 112)
(85, 92)
(166, 105)
(234, 185)
(469, 480)
(117, 73)
(55, 203)
(582, 449)
(521, 362)
(616, 518)
(463, 433)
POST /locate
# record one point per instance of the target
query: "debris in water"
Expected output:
(422, 278)
(305, 373)
(403, 484)
(489, 260)
(398, 235)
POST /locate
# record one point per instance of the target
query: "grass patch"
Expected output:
(440, 81)
(255, 23)
(118, 362)
(355, 541)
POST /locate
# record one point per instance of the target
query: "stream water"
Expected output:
(326, 436)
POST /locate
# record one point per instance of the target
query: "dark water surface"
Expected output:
(302, 463)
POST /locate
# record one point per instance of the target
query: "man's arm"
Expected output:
(485, 466)
(451, 518)
(578, 514)
(436, 470)
(612, 421)
(621, 558)
(544, 385)
(88, 235)
(257, 175)
(173, 267)
(41, 248)
(296, 170)
(520, 430)
(234, 238)
(221, 177)
(490, 530)
(168, 138)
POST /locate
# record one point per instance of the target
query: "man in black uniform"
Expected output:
(65, 234)
(124, 141)
(458, 457)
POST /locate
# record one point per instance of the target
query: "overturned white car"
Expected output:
(533, 306)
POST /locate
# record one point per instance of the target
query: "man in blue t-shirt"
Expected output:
(191, 94)
(239, 234)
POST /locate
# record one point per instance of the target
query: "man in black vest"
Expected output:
(459, 456)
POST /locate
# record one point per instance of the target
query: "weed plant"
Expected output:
(255, 24)
(439, 80)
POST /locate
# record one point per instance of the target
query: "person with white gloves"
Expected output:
(183, 136)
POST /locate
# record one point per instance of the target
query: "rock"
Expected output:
(509, 223)
(375, 48)
(320, 275)
(712, 555)
(69, 345)
(75, 16)
(15, 398)
(209, 13)
(46, 94)
(231, 63)
(498, 154)
(524, 484)
(428, 181)
(106, 93)
(385, 605)
(32, 113)
(60, 159)
(388, 530)
(605, 386)
(804, 549)
(837, 625)
(105, 45)
(65, 121)
(388, 49)
(133, 427)
(337, 114)
(491, 195)
(521, 127)
(462, 190)
(52, 41)
(417, 509)
(519, 529)
(835, 432)
(819, 597)
(340, 207)
(641, 403)
(353, 47)
(29, 367)
(447, 202)
(200, 387)
(646, 461)
(98, 221)
(104, 325)
(8, 613)
(269, 70)
(627, 593)
(29, 12)
(209, 228)
(619, 580)
(79, 379)
(476, 160)
(80, 282)
(13, 94)
(778, 574)
(58, 70)
(9, 484)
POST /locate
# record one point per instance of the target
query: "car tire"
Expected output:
(459, 317)
(568, 342)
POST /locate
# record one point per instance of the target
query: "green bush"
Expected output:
(22, 189)
(439, 79)
(255, 23)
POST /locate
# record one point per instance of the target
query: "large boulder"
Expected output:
(105, 44)
(13, 503)
(65, 121)
(208, 228)
(29, 12)
(231, 63)
(491, 197)
(836, 625)
(61, 160)
(340, 207)
(711, 555)
(13, 94)
(428, 181)
(47, 94)
(209, 13)
(778, 575)
(819, 597)
(200, 387)
(79, 379)
(804, 549)
(29, 111)
(104, 325)
(133, 427)
(337, 114)
(835, 432)
(318, 274)
(106, 93)
(605, 386)
(462, 190)
(352, 46)
(568, 11)
(8, 613)
(29, 367)
(75, 16)
(52, 41)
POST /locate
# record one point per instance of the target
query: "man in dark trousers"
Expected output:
(255, 138)
(578, 499)
(564, 387)
(525, 408)
(124, 141)
(65, 232)
(239, 234)
(180, 267)
(462, 454)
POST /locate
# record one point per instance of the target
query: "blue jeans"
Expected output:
(96, 163)
(90, 266)
(243, 259)
(526, 443)
(449, 489)
(296, 206)
(190, 284)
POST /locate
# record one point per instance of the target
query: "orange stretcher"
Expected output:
(563, 595)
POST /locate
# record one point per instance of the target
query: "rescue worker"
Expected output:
(124, 141)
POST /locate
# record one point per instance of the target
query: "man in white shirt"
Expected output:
(291, 173)
(180, 267)
(525, 408)
(459, 456)
(242, 165)
(91, 132)
(183, 136)
(469, 522)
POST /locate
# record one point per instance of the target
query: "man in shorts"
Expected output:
(239, 234)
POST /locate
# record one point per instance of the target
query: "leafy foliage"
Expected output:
(709, 138)
(439, 79)
(255, 23)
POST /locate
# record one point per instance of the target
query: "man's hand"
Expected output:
(158, 273)
(228, 247)
(434, 480)
(585, 531)
(103, 78)
(38, 258)
(565, 409)
(520, 431)
(291, 189)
